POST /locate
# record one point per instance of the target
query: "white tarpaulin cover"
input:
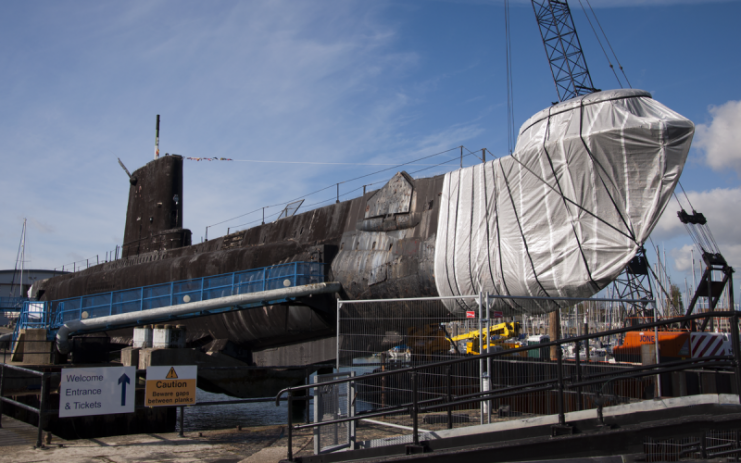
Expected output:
(563, 215)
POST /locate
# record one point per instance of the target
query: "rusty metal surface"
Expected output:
(154, 217)
(394, 198)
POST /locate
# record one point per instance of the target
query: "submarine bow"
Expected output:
(564, 214)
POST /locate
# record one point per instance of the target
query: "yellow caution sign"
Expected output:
(171, 386)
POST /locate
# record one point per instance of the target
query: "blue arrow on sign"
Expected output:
(123, 381)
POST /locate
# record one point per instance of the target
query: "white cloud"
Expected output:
(721, 139)
(683, 257)
(721, 207)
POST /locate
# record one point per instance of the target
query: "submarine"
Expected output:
(559, 217)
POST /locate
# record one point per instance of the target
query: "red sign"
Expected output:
(470, 314)
(497, 314)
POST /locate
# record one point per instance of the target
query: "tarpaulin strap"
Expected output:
(594, 161)
(499, 239)
(522, 234)
(486, 220)
(565, 204)
(455, 229)
(569, 200)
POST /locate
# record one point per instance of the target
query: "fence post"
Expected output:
(290, 425)
(450, 395)
(559, 358)
(2, 377)
(42, 409)
(578, 373)
(481, 352)
(736, 352)
(182, 417)
(415, 429)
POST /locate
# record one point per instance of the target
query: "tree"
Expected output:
(675, 303)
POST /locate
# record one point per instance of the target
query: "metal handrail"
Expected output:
(637, 371)
(183, 291)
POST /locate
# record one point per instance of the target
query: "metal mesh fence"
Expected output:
(377, 336)
(705, 446)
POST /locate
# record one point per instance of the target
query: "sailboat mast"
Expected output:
(23, 257)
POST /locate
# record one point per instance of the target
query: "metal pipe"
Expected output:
(144, 317)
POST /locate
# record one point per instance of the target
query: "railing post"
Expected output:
(42, 409)
(290, 425)
(182, 418)
(736, 352)
(578, 373)
(2, 377)
(559, 358)
(450, 395)
(415, 409)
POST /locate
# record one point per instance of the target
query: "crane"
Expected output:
(563, 49)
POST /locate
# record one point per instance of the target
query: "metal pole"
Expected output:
(338, 193)
(656, 348)
(42, 409)
(157, 139)
(481, 351)
(414, 409)
(263, 216)
(483, 155)
(488, 359)
(290, 425)
(736, 351)
(2, 377)
(461, 156)
(578, 374)
(559, 358)
(182, 413)
(337, 354)
(450, 394)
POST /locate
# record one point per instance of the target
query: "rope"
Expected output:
(560, 191)
(332, 186)
(522, 234)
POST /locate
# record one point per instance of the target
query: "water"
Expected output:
(254, 414)
(229, 416)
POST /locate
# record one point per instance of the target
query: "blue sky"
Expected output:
(353, 82)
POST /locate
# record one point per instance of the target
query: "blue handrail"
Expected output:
(12, 303)
(184, 291)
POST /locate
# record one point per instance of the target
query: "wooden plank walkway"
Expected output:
(15, 432)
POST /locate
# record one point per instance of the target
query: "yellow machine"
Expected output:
(503, 332)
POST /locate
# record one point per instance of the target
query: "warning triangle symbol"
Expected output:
(171, 374)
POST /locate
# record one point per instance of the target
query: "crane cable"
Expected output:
(609, 44)
(511, 136)
(600, 42)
